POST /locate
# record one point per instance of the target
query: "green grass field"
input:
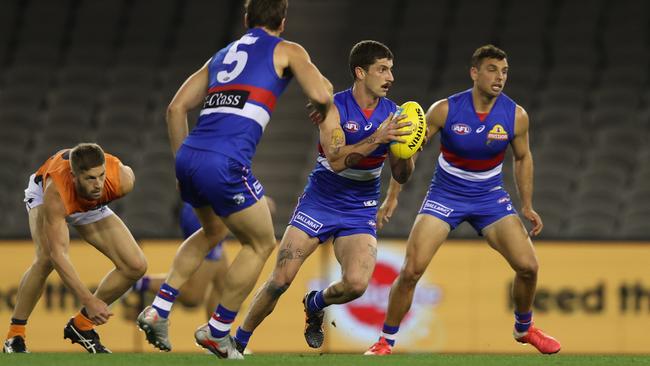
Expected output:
(172, 359)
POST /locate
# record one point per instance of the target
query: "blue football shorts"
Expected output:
(324, 222)
(209, 178)
(479, 211)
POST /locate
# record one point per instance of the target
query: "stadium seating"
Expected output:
(105, 71)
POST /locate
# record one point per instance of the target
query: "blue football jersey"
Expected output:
(242, 93)
(357, 186)
(471, 150)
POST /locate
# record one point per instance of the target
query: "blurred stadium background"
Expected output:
(104, 71)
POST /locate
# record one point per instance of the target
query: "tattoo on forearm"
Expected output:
(371, 140)
(352, 159)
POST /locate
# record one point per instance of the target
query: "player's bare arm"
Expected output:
(189, 96)
(436, 116)
(56, 242)
(523, 170)
(127, 178)
(341, 156)
(315, 86)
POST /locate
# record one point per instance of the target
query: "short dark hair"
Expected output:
(365, 53)
(265, 13)
(86, 156)
(487, 51)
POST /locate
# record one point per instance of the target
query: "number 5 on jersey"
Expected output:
(239, 57)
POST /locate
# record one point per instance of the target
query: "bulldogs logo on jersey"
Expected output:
(497, 133)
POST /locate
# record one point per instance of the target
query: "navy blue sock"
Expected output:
(221, 321)
(389, 332)
(15, 321)
(317, 302)
(523, 321)
(243, 336)
(165, 299)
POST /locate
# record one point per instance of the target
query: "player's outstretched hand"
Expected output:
(385, 212)
(389, 130)
(98, 311)
(534, 219)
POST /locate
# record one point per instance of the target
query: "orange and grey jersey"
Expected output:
(57, 168)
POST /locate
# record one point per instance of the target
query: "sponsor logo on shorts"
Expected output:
(461, 128)
(257, 186)
(307, 221)
(509, 207)
(239, 198)
(434, 206)
(351, 126)
(370, 203)
(372, 223)
(504, 199)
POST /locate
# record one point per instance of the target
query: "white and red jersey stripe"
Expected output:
(353, 173)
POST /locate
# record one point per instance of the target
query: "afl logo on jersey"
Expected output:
(461, 128)
(351, 126)
(497, 133)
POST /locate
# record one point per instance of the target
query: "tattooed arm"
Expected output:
(341, 156)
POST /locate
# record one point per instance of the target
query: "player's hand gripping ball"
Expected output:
(414, 114)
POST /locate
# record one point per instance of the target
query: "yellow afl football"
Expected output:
(414, 114)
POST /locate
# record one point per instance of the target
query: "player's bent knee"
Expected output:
(528, 270)
(265, 247)
(410, 275)
(135, 269)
